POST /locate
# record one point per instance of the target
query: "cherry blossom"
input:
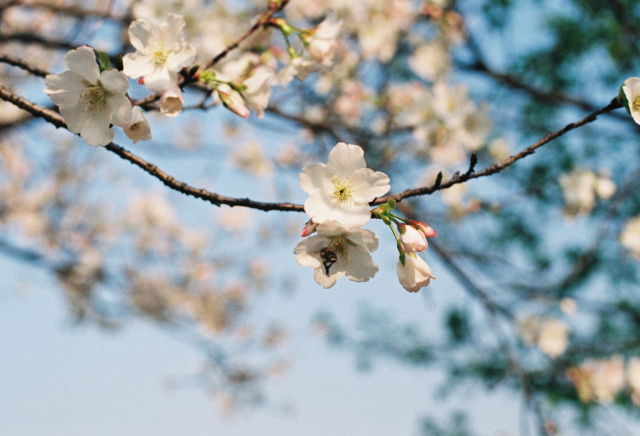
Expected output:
(139, 129)
(322, 42)
(342, 189)
(414, 274)
(90, 100)
(161, 52)
(337, 251)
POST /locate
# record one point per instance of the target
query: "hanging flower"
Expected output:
(90, 100)
(171, 102)
(342, 189)
(139, 129)
(414, 274)
(257, 90)
(322, 42)
(161, 52)
(337, 251)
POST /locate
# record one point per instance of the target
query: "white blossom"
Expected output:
(171, 102)
(90, 100)
(232, 100)
(257, 90)
(336, 251)
(553, 337)
(412, 239)
(297, 67)
(138, 129)
(631, 90)
(414, 274)
(342, 189)
(322, 42)
(161, 52)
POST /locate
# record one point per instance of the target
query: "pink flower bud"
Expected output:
(423, 227)
(309, 228)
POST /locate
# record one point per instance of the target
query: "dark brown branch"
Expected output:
(57, 120)
(74, 11)
(274, 8)
(493, 169)
(30, 38)
(8, 59)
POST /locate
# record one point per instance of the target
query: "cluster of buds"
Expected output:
(411, 237)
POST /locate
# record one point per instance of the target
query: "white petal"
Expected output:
(172, 32)
(96, 129)
(139, 35)
(360, 265)
(314, 177)
(138, 65)
(65, 88)
(74, 117)
(327, 281)
(160, 79)
(307, 251)
(369, 184)
(114, 82)
(120, 106)
(180, 59)
(345, 159)
(364, 237)
(83, 61)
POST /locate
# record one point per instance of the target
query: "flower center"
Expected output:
(342, 189)
(95, 94)
(159, 54)
(636, 103)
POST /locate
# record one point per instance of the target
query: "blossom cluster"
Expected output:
(339, 196)
(92, 96)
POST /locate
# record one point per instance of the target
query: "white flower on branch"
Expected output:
(630, 236)
(322, 42)
(553, 337)
(90, 100)
(415, 273)
(138, 129)
(342, 189)
(161, 52)
(337, 251)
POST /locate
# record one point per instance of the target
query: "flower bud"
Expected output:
(308, 229)
(423, 227)
(139, 129)
(412, 239)
(414, 273)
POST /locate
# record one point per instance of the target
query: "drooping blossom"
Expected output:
(161, 52)
(412, 239)
(90, 100)
(322, 42)
(414, 274)
(257, 90)
(631, 90)
(342, 189)
(138, 129)
(171, 102)
(336, 251)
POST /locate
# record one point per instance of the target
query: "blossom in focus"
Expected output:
(90, 100)
(412, 239)
(631, 90)
(322, 42)
(161, 52)
(336, 251)
(138, 129)
(630, 236)
(553, 337)
(342, 189)
(414, 274)
(232, 100)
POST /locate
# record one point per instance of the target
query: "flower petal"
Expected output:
(369, 184)
(138, 65)
(83, 61)
(314, 177)
(360, 265)
(139, 35)
(182, 58)
(345, 159)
